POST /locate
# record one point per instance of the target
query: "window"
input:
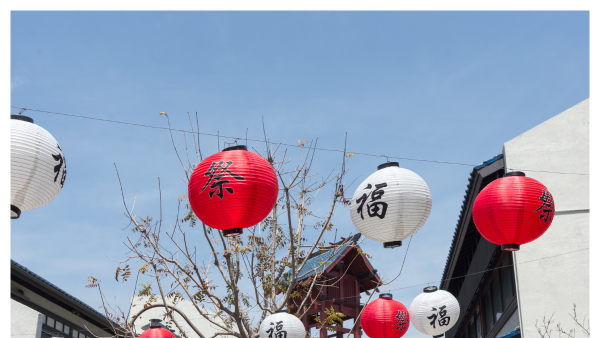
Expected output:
(75, 334)
(50, 322)
(489, 319)
(472, 330)
(496, 298)
(58, 326)
(477, 326)
(66, 329)
(81, 335)
(507, 281)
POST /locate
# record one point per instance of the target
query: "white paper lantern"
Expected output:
(390, 205)
(434, 311)
(37, 166)
(281, 324)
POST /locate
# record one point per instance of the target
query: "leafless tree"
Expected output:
(545, 331)
(270, 257)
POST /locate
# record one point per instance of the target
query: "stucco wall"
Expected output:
(551, 285)
(24, 321)
(203, 325)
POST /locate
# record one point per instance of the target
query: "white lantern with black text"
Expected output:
(390, 205)
(37, 166)
(281, 324)
(434, 311)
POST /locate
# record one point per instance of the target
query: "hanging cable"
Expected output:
(286, 144)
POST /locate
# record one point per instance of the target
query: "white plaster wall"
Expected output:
(24, 321)
(185, 306)
(551, 285)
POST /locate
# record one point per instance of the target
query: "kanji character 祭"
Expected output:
(402, 320)
(216, 172)
(547, 206)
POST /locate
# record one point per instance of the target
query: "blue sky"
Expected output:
(445, 86)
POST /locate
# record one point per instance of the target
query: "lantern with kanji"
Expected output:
(513, 210)
(281, 324)
(390, 205)
(156, 331)
(38, 168)
(385, 318)
(434, 311)
(233, 190)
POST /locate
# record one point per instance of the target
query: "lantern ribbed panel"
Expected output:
(252, 199)
(34, 182)
(408, 205)
(379, 319)
(289, 323)
(422, 307)
(504, 212)
(157, 332)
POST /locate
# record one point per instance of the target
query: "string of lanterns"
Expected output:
(236, 189)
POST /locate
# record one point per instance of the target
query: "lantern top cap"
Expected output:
(238, 147)
(281, 311)
(386, 295)
(21, 118)
(154, 323)
(430, 289)
(514, 173)
(388, 164)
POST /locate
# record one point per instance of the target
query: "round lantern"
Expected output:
(281, 324)
(233, 190)
(434, 311)
(390, 205)
(385, 318)
(513, 210)
(37, 166)
(156, 331)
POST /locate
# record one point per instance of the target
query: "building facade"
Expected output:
(505, 293)
(40, 309)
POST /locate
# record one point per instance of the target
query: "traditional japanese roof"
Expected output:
(326, 260)
(462, 213)
(53, 293)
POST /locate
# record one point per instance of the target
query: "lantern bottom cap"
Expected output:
(391, 245)
(233, 232)
(510, 247)
(438, 336)
(14, 212)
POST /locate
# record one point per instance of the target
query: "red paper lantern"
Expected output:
(232, 190)
(155, 331)
(513, 210)
(385, 318)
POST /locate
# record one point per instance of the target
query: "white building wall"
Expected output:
(24, 321)
(185, 306)
(547, 285)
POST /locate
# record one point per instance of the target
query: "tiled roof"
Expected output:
(464, 206)
(322, 261)
(41, 279)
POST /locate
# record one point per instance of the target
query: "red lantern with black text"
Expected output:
(385, 318)
(513, 210)
(233, 190)
(156, 331)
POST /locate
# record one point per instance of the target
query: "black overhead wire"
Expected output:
(285, 144)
